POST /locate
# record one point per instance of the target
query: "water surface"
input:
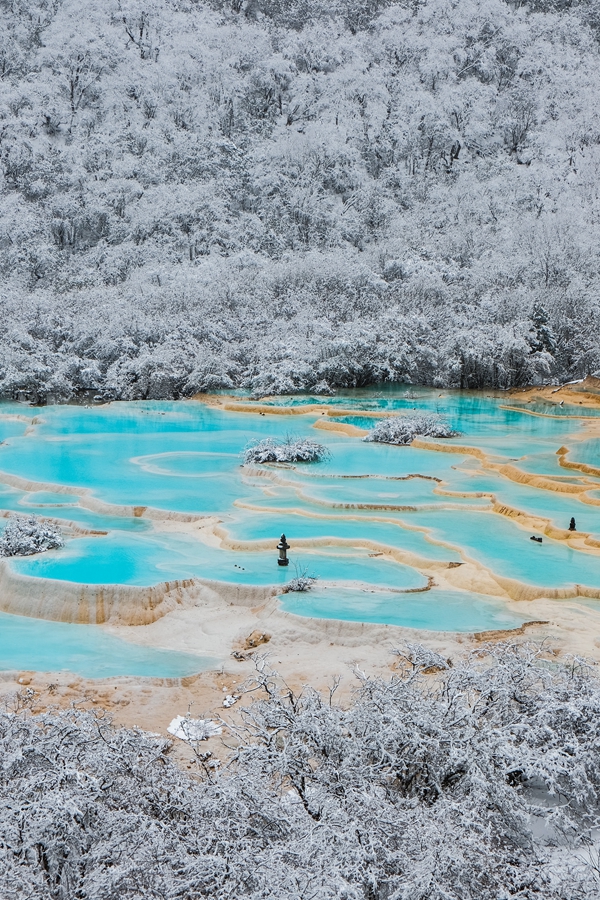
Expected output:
(36, 645)
(430, 506)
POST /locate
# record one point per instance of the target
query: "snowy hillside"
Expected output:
(284, 194)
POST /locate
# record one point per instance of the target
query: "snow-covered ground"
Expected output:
(477, 781)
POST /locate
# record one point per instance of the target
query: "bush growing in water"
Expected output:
(26, 535)
(404, 429)
(301, 582)
(288, 451)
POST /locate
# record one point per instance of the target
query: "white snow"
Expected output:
(404, 429)
(229, 701)
(27, 535)
(187, 729)
(290, 450)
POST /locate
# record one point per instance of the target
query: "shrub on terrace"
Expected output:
(299, 584)
(290, 450)
(26, 535)
(404, 429)
(301, 581)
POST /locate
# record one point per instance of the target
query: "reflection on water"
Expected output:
(427, 507)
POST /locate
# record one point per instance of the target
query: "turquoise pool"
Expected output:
(35, 645)
(433, 507)
(435, 610)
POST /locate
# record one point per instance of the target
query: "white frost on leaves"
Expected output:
(404, 429)
(192, 730)
(26, 535)
(479, 782)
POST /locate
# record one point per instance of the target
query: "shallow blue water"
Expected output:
(393, 398)
(555, 506)
(507, 549)
(434, 610)
(37, 502)
(35, 645)
(10, 428)
(143, 560)
(587, 452)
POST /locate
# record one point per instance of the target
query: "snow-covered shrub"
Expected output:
(26, 535)
(481, 783)
(301, 582)
(290, 450)
(404, 429)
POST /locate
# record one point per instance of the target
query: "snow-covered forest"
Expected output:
(287, 194)
(480, 783)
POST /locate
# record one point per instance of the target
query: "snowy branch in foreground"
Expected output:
(404, 429)
(422, 658)
(290, 450)
(480, 782)
(26, 535)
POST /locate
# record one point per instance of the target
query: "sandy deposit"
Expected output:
(576, 393)
(302, 650)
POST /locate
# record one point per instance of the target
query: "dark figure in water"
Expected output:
(283, 547)
(572, 526)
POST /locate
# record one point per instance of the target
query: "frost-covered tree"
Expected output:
(290, 450)
(479, 781)
(296, 195)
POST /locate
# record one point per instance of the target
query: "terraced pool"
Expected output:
(154, 492)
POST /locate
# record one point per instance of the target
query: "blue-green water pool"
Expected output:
(434, 610)
(429, 506)
(144, 561)
(36, 645)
